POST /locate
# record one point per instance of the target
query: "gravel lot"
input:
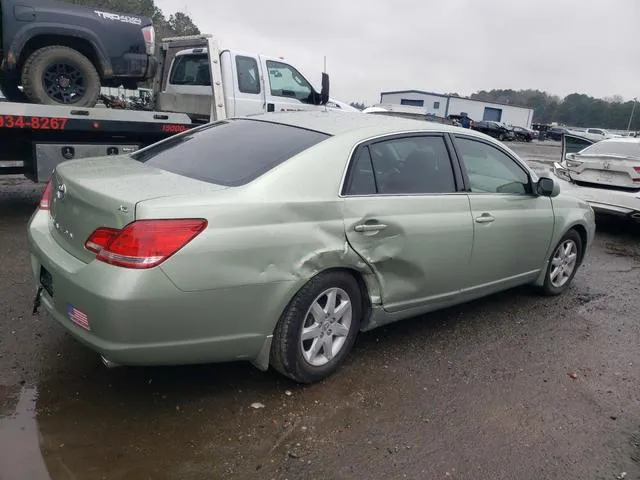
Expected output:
(512, 386)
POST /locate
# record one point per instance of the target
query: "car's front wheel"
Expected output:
(318, 328)
(563, 264)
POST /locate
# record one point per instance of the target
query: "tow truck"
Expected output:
(34, 138)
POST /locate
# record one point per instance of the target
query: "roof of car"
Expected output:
(335, 123)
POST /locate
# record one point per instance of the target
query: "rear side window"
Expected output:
(402, 166)
(248, 75)
(191, 70)
(231, 152)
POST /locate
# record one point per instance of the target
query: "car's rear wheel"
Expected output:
(501, 137)
(59, 75)
(318, 328)
(563, 264)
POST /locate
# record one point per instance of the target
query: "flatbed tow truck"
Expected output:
(34, 138)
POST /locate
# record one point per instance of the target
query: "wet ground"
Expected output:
(512, 386)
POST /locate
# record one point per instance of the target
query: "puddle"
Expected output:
(20, 455)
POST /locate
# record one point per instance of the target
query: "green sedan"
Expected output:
(276, 238)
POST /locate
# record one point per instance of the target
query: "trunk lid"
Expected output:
(611, 170)
(94, 192)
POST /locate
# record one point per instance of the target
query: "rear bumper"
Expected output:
(142, 318)
(603, 200)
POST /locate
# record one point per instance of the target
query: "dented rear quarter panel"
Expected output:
(278, 232)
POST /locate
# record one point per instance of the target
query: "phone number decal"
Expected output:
(34, 123)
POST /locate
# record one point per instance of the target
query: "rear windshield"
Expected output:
(230, 152)
(625, 149)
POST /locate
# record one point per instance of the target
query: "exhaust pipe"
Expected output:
(636, 216)
(108, 363)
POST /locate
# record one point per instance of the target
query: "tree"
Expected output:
(181, 22)
(358, 105)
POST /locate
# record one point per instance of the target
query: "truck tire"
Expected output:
(59, 75)
(11, 91)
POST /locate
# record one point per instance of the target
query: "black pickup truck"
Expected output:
(62, 53)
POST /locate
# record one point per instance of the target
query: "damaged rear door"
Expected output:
(406, 216)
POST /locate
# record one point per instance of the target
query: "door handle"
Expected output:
(484, 218)
(370, 227)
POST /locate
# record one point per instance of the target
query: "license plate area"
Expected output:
(46, 281)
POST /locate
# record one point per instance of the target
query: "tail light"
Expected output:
(100, 238)
(149, 34)
(637, 169)
(143, 243)
(47, 197)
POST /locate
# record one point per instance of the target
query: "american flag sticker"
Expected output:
(78, 317)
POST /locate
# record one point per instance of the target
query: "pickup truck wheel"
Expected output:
(60, 75)
(12, 92)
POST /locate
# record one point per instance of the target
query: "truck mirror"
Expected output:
(324, 94)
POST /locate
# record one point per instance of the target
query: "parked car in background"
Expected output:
(494, 129)
(602, 133)
(606, 174)
(556, 133)
(524, 134)
(276, 238)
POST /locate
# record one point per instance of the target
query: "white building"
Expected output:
(445, 105)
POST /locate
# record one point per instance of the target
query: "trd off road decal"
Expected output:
(119, 18)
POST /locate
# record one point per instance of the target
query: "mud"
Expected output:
(512, 386)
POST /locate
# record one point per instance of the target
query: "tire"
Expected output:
(11, 92)
(501, 137)
(288, 350)
(551, 287)
(41, 82)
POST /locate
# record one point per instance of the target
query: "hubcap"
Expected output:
(563, 263)
(64, 83)
(326, 327)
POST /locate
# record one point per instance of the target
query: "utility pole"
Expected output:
(632, 112)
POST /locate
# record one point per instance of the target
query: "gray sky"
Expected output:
(438, 45)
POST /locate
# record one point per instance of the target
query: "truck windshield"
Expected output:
(191, 70)
(229, 152)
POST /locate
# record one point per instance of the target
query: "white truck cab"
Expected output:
(250, 83)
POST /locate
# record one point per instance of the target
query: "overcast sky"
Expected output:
(462, 46)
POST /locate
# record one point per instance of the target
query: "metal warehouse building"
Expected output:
(445, 105)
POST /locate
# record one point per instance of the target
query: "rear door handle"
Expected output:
(484, 218)
(370, 227)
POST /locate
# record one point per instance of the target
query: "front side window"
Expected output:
(231, 152)
(248, 75)
(403, 166)
(191, 70)
(490, 170)
(285, 81)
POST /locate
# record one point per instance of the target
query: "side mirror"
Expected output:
(546, 187)
(570, 156)
(324, 93)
